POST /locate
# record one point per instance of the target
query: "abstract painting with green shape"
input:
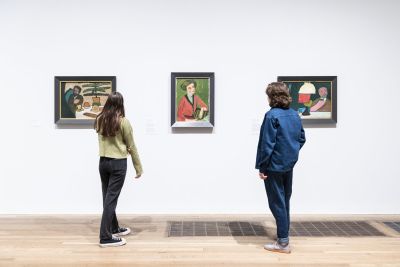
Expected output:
(311, 99)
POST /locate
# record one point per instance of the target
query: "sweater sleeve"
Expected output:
(180, 116)
(127, 134)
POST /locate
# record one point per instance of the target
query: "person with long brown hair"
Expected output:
(115, 143)
(281, 138)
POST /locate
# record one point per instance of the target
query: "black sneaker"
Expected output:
(122, 231)
(114, 242)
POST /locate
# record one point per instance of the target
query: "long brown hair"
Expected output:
(278, 94)
(107, 123)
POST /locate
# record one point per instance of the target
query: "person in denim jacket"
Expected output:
(281, 138)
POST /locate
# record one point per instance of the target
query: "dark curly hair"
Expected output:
(278, 94)
(78, 87)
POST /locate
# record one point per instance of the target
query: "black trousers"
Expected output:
(112, 173)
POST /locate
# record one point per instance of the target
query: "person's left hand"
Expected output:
(262, 176)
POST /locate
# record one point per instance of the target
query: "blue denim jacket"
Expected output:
(281, 138)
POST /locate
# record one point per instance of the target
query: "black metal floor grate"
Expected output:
(210, 228)
(305, 228)
(394, 225)
(333, 228)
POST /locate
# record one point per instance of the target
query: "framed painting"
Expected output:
(79, 99)
(192, 99)
(313, 97)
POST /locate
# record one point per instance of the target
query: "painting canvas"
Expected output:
(79, 99)
(313, 97)
(192, 99)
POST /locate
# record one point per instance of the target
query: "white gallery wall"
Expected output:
(350, 168)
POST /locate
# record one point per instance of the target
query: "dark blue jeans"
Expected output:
(279, 190)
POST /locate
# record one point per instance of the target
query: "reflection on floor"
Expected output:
(394, 225)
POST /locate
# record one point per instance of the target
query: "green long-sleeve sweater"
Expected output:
(120, 145)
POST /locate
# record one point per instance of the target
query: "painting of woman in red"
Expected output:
(190, 102)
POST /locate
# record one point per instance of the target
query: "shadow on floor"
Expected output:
(258, 241)
(139, 224)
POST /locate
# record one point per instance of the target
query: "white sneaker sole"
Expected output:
(124, 233)
(286, 251)
(117, 244)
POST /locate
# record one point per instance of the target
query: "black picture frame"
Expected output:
(321, 115)
(204, 87)
(63, 112)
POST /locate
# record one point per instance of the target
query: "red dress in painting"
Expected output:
(186, 109)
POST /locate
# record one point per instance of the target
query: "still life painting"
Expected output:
(79, 99)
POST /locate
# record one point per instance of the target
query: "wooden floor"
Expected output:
(66, 240)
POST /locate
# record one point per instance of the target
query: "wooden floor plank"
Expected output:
(72, 240)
